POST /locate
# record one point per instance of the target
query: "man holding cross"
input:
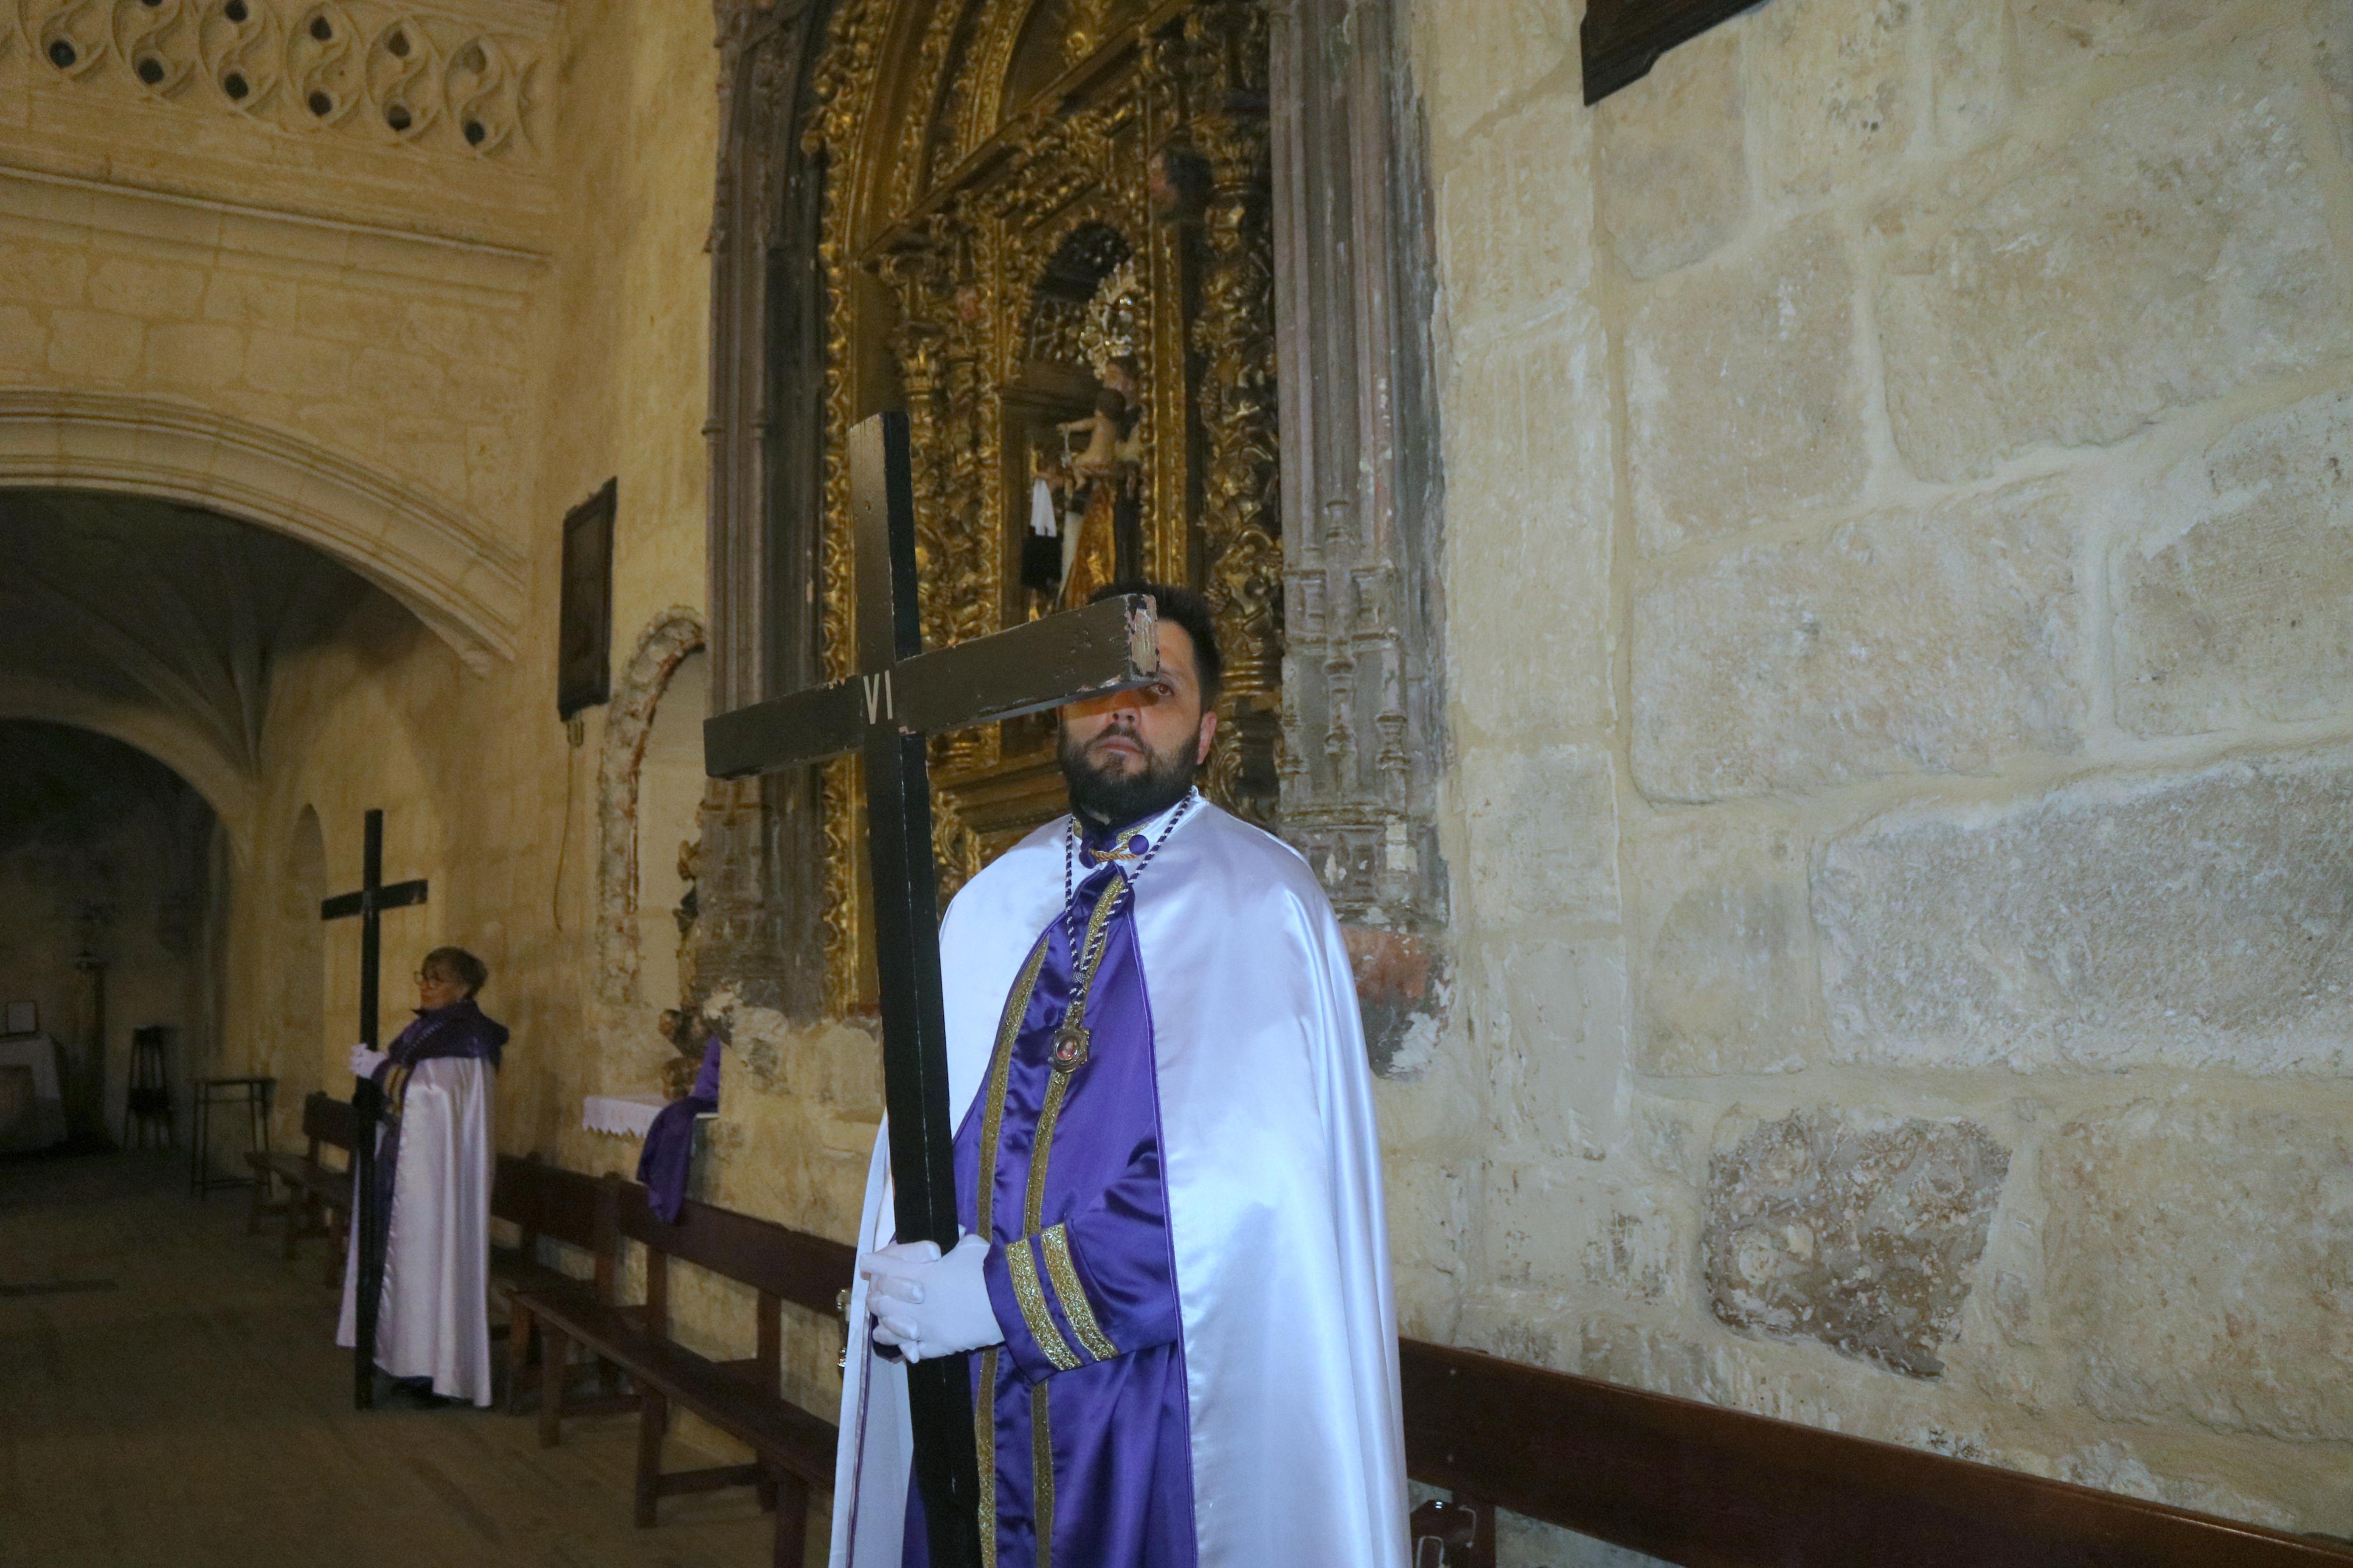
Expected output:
(1175, 1270)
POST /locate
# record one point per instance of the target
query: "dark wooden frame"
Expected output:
(1711, 1487)
(1620, 40)
(584, 639)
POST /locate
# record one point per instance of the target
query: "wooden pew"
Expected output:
(1710, 1488)
(319, 1196)
(541, 1200)
(794, 1447)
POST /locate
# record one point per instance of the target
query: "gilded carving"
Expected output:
(1002, 261)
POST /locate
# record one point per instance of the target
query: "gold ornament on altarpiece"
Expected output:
(1038, 211)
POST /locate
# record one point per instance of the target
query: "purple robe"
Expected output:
(668, 1154)
(460, 1029)
(1107, 1365)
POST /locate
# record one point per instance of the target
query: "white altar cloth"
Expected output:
(625, 1115)
(46, 1123)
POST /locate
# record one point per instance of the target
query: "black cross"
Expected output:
(367, 1100)
(900, 697)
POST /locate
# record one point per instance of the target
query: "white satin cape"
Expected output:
(1274, 1201)
(435, 1321)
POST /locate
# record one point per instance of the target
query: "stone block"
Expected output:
(1864, 1234)
(481, 392)
(156, 291)
(1943, 642)
(93, 346)
(1724, 944)
(24, 338)
(2057, 38)
(1549, 1018)
(1672, 156)
(1528, 548)
(42, 275)
(2197, 920)
(1543, 827)
(353, 316)
(1516, 211)
(1484, 54)
(2242, 611)
(2171, 248)
(197, 355)
(403, 382)
(1552, 1227)
(2332, 36)
(304, 368)
(1834, 83)
(1742, 392)
(250, 299)
(1968, 71)
(2238, 1222)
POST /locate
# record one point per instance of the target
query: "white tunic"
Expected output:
(1274, 1201)
(434, 1316)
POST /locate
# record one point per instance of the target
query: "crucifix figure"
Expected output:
(886, 713)
(369, 902)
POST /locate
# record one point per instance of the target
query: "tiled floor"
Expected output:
(171, 1397)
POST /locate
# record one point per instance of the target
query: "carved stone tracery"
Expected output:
(433, 77)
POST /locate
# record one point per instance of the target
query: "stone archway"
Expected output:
(453, 572)
(171, 741)
(666, 641)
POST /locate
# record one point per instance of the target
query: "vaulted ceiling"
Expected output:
(158, 624)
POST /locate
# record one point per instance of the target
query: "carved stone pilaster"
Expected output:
(763, 846)
(1363, 705)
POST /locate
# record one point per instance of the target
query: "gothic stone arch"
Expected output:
(668, 639)
(454, 573)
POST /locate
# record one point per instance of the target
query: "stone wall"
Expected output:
(1903, 679)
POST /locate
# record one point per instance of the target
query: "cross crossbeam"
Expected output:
(887, 712)
(368, 901)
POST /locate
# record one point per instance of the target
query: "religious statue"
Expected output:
(677, 1073)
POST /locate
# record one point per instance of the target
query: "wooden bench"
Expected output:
(793, 1447)
(319, 1196)
(545, 1201)
(1701, 1485)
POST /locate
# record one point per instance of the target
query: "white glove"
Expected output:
(365, 1060)
(927, 1305)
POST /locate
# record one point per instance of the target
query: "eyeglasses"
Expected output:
(421, 978)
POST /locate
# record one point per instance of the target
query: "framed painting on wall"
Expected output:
(583, 657)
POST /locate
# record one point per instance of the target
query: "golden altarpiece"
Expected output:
(1073, 240)
(1044, 233)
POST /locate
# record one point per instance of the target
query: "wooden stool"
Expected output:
(254, 1094)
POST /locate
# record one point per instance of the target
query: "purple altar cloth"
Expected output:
(668, 1154)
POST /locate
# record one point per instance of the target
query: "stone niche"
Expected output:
(1860, 1233)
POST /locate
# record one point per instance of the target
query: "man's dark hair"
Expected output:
(456, 964)
(1186, 609)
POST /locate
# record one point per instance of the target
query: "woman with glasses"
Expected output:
(434, 1161)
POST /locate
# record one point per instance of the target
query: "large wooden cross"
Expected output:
(900, 697)
(368, 1218)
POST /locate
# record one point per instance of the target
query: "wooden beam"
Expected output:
(1711, 1487)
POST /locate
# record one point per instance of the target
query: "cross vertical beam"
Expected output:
(907, 967)
(370, 1222)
